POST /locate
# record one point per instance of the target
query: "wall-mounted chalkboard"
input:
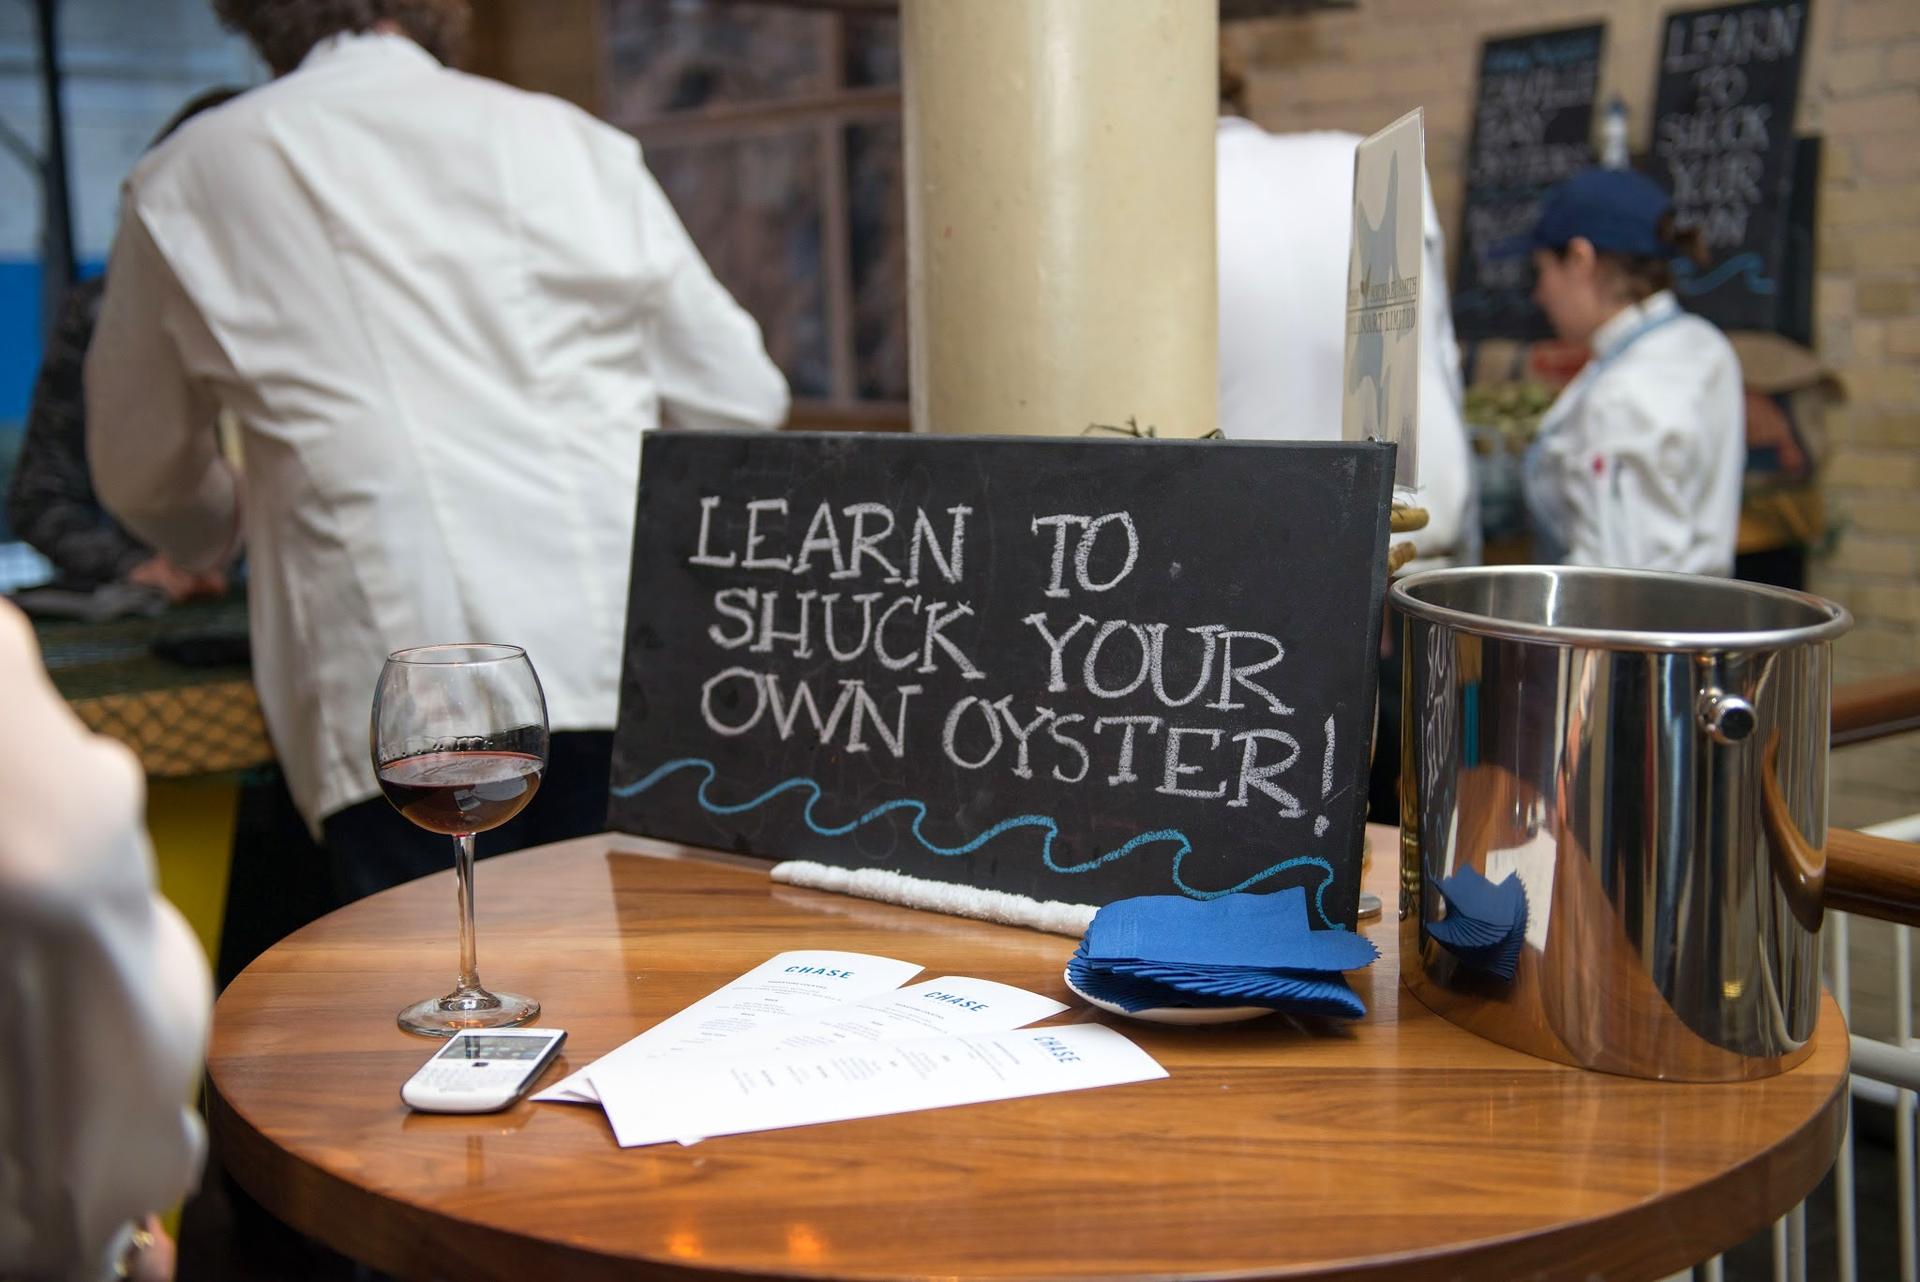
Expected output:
(1532, 127)
(1794, 315)
(1069, 669)
(1723, 145)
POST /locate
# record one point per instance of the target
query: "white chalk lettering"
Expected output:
(866, 711)
(755, 538)
(1083, 556)
(1021, 733)
(950, 733)
(1232, 673)
(1123, 769)
(803, 648)
(742, 613)
(1326, 764)
(936, 635)
(845, 639)
(1107, 629)
(868, 544)
(1158, 632)
(1057, 678)
(701, 556)
(1171, 785)
(1089, 527)
(821, 537)
(953, 562)
(786, 713)
(895, 662)
(711, 716)
(1059, 523)
(1252, 776)
(865, 600)
(1054, 730)
(1320, 822)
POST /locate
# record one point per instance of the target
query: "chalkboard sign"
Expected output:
(1069, 669)
(1723, 145)
(1532, 128)
(1794, 318)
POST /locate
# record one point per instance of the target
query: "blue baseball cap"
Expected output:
(1616, 210)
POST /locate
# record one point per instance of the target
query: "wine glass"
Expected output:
(459, 745)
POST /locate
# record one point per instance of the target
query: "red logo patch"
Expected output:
(1599, 465)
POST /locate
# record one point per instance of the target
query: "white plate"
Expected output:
(1173, 1014)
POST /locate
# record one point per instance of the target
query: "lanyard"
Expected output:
(1646, 326)
(1600, 363)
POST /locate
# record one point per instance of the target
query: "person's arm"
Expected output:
(155, 459)
(52, 504)
(706, 353)
(103, 991)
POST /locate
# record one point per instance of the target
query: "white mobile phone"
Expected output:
(482, 1070)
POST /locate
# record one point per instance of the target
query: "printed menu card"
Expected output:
(782, 988)
(816, 1036)
(795, 1089)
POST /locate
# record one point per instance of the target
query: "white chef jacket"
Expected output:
(104, 995)
(443, 311)
(1284, 205)
(1638, 463)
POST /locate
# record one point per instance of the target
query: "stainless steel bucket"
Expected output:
(1592, 762)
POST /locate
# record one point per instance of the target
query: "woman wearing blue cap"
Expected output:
(1638, 463)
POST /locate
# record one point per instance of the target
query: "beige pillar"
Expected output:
(1060, 214)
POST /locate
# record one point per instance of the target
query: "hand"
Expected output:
(211, 584)
(152, 1258)
(178, 584)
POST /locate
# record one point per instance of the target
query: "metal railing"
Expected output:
(1883, 1072)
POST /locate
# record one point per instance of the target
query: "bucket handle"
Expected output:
(1856, 873)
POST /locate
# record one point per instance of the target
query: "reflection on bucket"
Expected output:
(1486, 923)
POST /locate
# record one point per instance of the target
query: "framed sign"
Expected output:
(1071, 669)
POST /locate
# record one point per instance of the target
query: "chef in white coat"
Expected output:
(1638, 463)
(443, 311)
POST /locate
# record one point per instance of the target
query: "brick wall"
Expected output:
(1361, 68)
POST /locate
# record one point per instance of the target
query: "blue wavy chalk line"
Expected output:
(1690, 281)
(1052, 829)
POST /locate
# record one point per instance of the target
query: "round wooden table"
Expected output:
(1400, 1146)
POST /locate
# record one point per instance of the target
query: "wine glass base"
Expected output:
(445, 1016)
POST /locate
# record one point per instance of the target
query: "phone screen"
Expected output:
(494, 1046)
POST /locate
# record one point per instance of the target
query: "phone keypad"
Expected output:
(458, 1076)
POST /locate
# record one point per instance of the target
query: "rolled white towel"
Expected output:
(1008, 909)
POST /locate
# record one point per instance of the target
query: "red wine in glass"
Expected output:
(459, 746)
(461, 792)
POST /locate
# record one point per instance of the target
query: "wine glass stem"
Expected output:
(463, 877)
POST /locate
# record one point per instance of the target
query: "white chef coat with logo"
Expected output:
(443, 311)
(1638, 463)
(1285, 215)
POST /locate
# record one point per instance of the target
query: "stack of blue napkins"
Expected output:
(1238, 950)
(1486, 924)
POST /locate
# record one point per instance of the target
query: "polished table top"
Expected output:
(1400, 1146)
